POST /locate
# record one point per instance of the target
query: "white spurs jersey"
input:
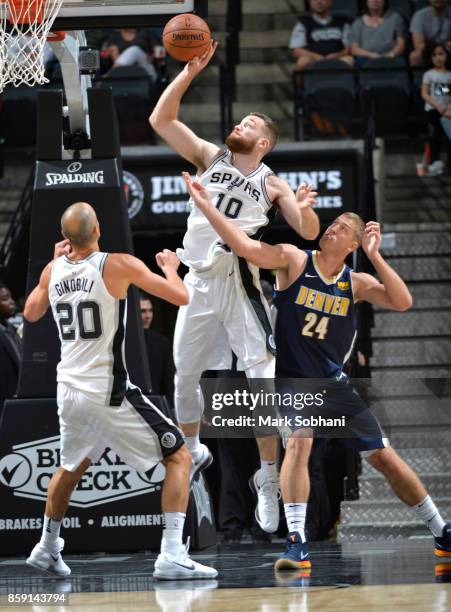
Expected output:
(91, 327)
(243, 199)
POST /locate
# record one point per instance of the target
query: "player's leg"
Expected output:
(80, 443)
(46, 555)
(198, 337)
(295, 488)
(265, 482)
(409, 488)
(143, 436)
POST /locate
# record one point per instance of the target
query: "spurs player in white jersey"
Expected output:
(227, 310)
(97, 404)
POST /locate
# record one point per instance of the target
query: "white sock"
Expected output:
(268, 469)
(50, 532)
(428, 512)
(295, 514)
(193, 443)
(173, 532)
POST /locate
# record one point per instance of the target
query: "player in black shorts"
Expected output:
(315, 330)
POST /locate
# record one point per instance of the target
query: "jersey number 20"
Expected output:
(88, 319)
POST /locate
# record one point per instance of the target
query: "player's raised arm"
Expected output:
(122, 270)
(38, 301)
(259, 253)
(164, 118)
(391, 292)
(296, 208)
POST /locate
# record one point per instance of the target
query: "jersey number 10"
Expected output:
(88, 320)
(231, 208)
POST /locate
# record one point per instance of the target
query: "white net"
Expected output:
(24, 27)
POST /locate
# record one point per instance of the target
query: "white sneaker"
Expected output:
(268, 494)
(181, 566)
(49, 561)
(201, 460)
(436, 168)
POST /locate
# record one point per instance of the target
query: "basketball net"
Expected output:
(24, 29)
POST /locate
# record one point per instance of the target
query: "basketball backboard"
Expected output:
(87, 14)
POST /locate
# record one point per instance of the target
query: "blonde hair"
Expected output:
(271, 128)
(359, 225)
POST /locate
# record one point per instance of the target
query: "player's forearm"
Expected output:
(310, 225)
(178, 292)
(234, 237)
(167, 107)
(396, 289)
(35, 306)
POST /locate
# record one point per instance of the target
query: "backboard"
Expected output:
(87, 14)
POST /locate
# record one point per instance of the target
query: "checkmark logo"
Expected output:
(188, 567)
(15, 470)
(304, 556)
(311, 276)
(8, 474)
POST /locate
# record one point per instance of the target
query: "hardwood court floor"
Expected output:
(360, 577)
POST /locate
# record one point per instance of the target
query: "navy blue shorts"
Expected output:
(332, 409)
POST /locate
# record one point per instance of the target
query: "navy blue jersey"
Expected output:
(316, 324)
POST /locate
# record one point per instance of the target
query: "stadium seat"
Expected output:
(329, 96)
(402, 7)
(347, 8)
(385, 81)
(134, 95)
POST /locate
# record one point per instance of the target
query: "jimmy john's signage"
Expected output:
(334, 174)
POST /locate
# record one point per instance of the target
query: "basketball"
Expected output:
(186, 36)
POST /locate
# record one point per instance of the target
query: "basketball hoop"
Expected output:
(24, 29)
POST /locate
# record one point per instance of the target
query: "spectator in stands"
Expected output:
(436, 92)
(10, 347)
(320, 36)
(129, 46)
(159, 353)
(377, 33)
(430, 24)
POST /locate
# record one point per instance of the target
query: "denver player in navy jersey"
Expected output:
(316, 294)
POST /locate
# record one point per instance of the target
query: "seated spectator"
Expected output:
(435, 91)
(10, 347)
(129, 46)
(159, 353)
(430, 24)
(319, 36)
(377, 33)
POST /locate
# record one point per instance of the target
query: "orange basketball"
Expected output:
(186, 36)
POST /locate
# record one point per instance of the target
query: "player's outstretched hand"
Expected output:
(62, 248)
(371, 239)
(197, 191)
(305, 196)
(197, 64)
(167, 259)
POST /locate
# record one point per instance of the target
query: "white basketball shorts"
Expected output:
(136, 430)
(227, 311)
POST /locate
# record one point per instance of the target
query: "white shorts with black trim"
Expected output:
(226, 312)
(136, 430)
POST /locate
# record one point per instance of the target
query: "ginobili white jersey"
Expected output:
(91, 326)
(243, 199)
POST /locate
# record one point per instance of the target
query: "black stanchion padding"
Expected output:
(104, 126)
(49, 124)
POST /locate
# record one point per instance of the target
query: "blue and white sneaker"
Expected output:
(296, 554)
(443, 544)
(49, 561)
